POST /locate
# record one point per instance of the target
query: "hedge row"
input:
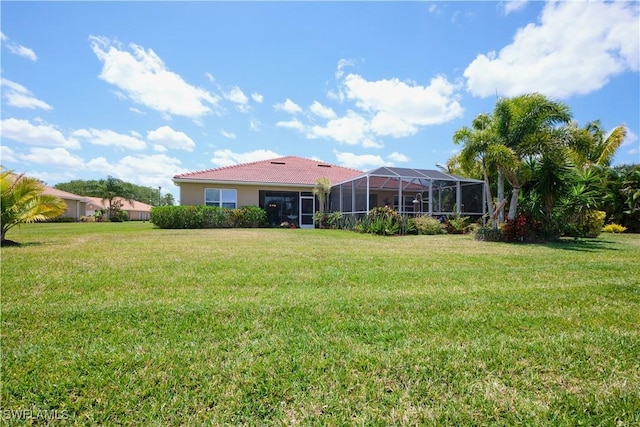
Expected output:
(208, 217)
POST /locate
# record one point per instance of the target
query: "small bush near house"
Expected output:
(428, 225)
(523, 228)
(614, 228)
(328, 219)
(119, 216)
(590, 225)
(249, 217)
(383, 221)
(457, 224)
(489, 234)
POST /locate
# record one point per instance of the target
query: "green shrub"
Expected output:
(178, 217)
(119, 216)
(383, 221)
(523, 228)
(593, 223)
(249, 217)
(428, 225)
(614, 228)
(457, 224)
(489, 234)
(589, 225)
(207, 217)
(328, 219)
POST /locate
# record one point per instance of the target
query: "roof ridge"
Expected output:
(230, 166)
(272, 159)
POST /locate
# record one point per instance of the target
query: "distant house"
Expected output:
(282, 186)
(76, 205)
(137, 211)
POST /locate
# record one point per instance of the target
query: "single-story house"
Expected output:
(137, 211)
(76, 205)
(284, 188)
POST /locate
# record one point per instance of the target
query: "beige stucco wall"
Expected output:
(248, 195)
(75, 209)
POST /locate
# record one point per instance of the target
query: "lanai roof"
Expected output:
(410, 174)
(289, 170)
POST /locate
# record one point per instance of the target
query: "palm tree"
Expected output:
(526, 126)
(591, 146)
(476, 140)
(23, 201)
(113, 190)
(321, 190)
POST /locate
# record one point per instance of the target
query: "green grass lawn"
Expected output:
(124, 324)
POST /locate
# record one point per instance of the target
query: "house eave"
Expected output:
(178, 181)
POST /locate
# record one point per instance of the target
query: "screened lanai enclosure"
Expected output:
(411, 192)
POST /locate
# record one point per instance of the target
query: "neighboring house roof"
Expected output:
(51, 191)
(98, 203)
(289, 170)
(64, 195)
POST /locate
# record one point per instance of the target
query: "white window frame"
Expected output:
(223, 202)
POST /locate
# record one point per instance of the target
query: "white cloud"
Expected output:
(137, 111)
(40, 135)
(574, 49)
(151, 170)
(257, 97)
(362, 162)
(255, 124)
(404, 106)
(226, 134)
(142, 76)
(237, 96)
(513, 5)
(397, 157)
(19, 96)
(342, 63)
(351, 129)
(109, 138)
(148, 170)
(18, 49)
(629, 139)
(7, 154)
(292, 124)
(170, 138)
(100, 164)
(228, 158)
(288, 106)
(58, 157)
(322, 111)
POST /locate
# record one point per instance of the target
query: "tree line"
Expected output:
(558, 174)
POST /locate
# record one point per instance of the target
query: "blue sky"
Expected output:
(143, 91)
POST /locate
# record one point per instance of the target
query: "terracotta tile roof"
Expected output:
(64, 194)
(51, 191)
(290, 170)
(134, 205)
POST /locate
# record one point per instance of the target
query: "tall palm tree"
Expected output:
(592, 146)
(478, 150)
(526, 126)
(22, 201)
